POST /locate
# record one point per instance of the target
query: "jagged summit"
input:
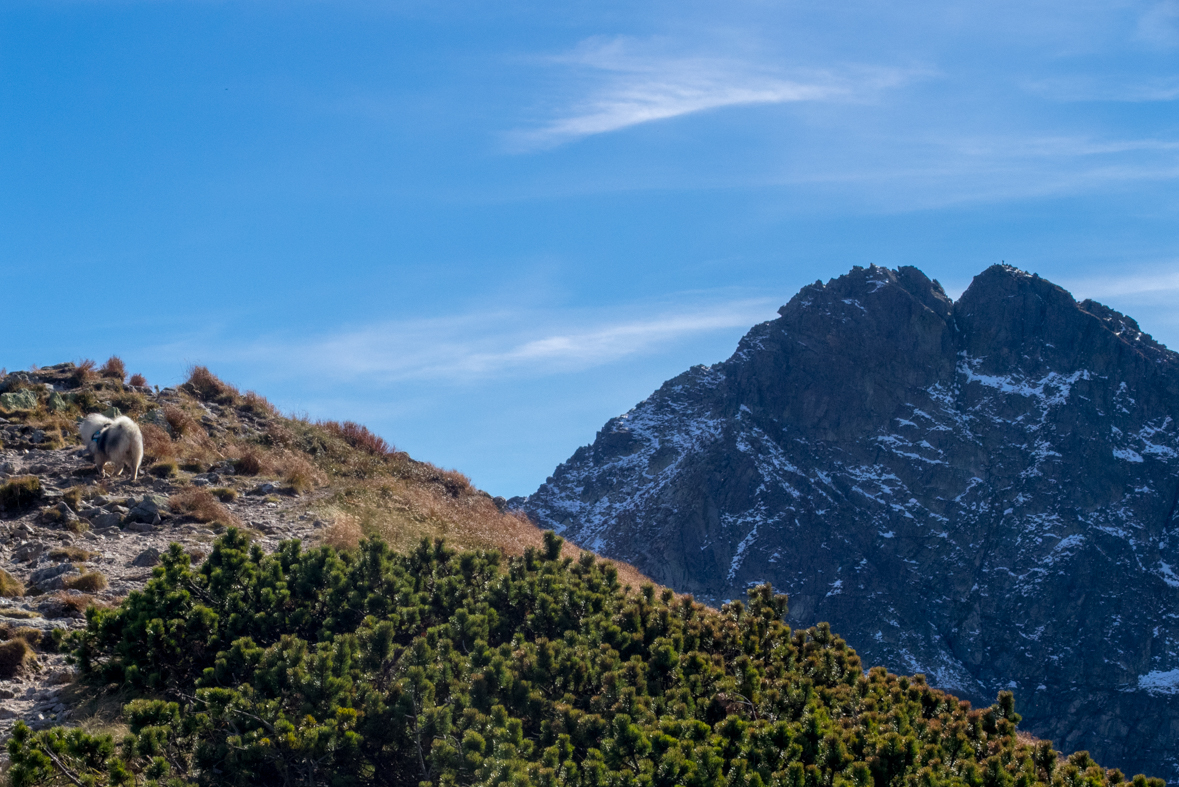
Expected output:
(981, 490)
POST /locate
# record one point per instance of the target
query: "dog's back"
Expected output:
(91, 425)
(121, 443)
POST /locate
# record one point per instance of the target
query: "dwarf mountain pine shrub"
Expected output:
(376, 668)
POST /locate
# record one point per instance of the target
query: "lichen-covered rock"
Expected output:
(983, 491)
(18, 400)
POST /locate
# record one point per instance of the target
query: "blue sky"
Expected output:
(484, 228)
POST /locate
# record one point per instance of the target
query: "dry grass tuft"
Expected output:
(114, 368)
(201, 505)
(73, 554)
(15, 656)
(138, 380)
(181, 422)
(344, 534)
(156, 442)
(28, 634)
(358, 436)
(166, 468)
(88, 582)
(84, 372)
(10, 586)
(249, 463)
(74, 496)
(76, 602)
(258, 405)
(20, 492)
(298, 473)
(209, 386)
(224, 494)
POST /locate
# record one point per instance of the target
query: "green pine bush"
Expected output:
(437, 668)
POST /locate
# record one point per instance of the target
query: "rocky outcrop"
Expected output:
(984, 491)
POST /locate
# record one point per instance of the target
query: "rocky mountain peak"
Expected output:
(983, 491)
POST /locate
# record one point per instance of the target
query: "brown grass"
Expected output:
(15, 656)
(156, 442)
(165, 469)
(84, 372)
(344, 534)
(73, 554)
(76, 602)
(88, 582)
(209, 386)
(297, 472)
(402, 513)
(224, 494)
(28, 634)
(201, 505)
(249, 463)
(74, 496)
(138, 380)
(181, 422)
(10, 586)
(358, 436)
(258, 405)
(114, 368)
(20, 492)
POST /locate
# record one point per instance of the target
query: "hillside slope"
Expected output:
(215, 459)
(982, 491)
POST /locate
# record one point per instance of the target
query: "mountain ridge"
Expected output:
(960, 488)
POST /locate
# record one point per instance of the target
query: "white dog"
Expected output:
(120, 442)
(91, 425)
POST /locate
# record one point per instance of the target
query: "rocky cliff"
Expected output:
(983, 491)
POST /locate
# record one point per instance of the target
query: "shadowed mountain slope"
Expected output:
(983, 491)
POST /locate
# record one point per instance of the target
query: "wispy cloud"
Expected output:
(481, 346)
(1160, 24)
(1162, 281)
(1085, 88)
(633, 84)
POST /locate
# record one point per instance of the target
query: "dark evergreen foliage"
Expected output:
(374, 668)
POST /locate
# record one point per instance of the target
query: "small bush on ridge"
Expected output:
(113, 368)
(358, 436)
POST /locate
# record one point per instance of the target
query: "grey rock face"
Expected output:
(20, 400)
(52, 577)
(983, 491)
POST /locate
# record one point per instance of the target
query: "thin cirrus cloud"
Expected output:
(1079, 89)
(475, 347)
(631, 86)
(1163, 281)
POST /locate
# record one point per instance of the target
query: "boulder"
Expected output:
(147, 558)
(156, 417)
(106, 519)
(52, 577)
(56, 402)
(151, 508)
(18, 400)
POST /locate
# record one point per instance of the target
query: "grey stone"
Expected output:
(140, 527)
(52, 577)
(107, 519)
(157, 418)
(56, 402)
(147, 558)
(30, 550)
(18, 400)
(150, 508)
(112, 412)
